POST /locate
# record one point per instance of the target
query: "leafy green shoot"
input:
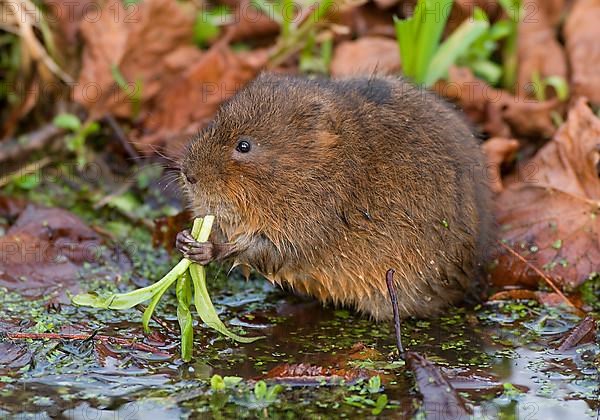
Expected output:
(132, 92)
(186, 274)
(79, 134)
(540, 86)
(479, 56)
(424, 59)
(513, 8)
(300, 36)
(207, 26)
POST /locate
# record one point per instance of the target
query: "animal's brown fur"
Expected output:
(345, 180)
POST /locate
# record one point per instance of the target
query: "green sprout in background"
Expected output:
(79, 134)
(424, 58)
(299, 36)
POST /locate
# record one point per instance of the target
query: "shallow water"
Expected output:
(500, 356)
(480, 350)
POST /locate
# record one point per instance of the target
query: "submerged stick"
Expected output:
(389, 279)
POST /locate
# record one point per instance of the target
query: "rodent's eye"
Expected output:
(243, 146)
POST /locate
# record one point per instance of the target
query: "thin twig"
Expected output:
(120, 134)
(389, 279)
(26, 170)
(20, 148)
(539, 273)
(84, 337)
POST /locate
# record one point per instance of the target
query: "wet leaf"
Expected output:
(44, 250)
(556, 203)
(581, 32)
(534, 31)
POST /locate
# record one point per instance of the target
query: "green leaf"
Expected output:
(560, 85)
(407, 51)
(27, 181)
(67, 122)
(374, 385)
(260, 390)
(452, 48)
(217, 383)
(231, 381)
(205, 308)
(380, 404)
(431, 16)
(184, 316)
(486, 70)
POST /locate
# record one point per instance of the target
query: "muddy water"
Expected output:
(499, 356)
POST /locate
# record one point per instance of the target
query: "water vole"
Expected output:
(324, 185)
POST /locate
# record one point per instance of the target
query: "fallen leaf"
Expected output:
(309, 375)
(365, 56)
(43, 251)
(550, 217)
(365, 20)
(498, 112)
(135, 42)
(196, 95)
(330, 371)
(543, 298)
(13, 356)
(538, 27)
(582, 32)
(498, 150)
(250, 23)
(67, 16)
(463, 9)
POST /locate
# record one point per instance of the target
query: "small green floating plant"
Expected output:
(187, 274)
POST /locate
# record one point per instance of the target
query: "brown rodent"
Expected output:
(324, 185)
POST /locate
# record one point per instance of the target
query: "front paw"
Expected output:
(198, 252)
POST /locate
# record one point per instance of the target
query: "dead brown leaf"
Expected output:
(550, 216)
(582, 33)
(543, 298)
(309, 375)
(44, 250)
(500, 113)
(538, 49)
(136, 42)
(366, 20)
(196, 95)
(249, 23)
(498, 150)
(366, 56)
(67, 16)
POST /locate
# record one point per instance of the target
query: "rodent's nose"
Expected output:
(190, 178)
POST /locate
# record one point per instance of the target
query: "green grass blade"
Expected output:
(455, 46)
(406, 45)
(430, 22)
